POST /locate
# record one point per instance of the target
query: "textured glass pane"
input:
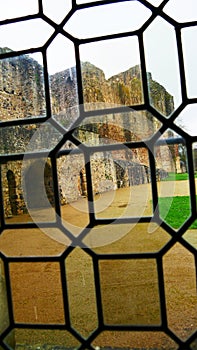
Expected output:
(117, 17)
(63, 81)
(162, 65)
(22, 92)
(22, 35)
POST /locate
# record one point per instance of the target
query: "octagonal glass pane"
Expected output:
(119, 17)
(162, 66)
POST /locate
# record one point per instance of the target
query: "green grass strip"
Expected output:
(177, 177)
(175, 211)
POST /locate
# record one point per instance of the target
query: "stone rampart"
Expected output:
(22, 96)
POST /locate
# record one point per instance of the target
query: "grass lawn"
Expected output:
(175, 211)
(177, 177)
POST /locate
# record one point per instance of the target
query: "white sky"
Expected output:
(112, 56)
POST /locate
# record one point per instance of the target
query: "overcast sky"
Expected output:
(112, 56)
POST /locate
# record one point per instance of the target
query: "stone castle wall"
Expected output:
(22, 96)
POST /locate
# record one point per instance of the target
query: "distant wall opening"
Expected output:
(12, 191)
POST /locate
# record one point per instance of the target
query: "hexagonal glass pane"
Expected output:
(118, 17)
(117, 128)
(126, 238)
(117, 84)
(73, 190)
(162, 65)
(63, 81)
(81, 292)
(187, 119)
(139, 340)
(128, 297)
(180, 288)
(173, 188)
(189, 51)
(57, 10)
(22, 92)
(32, 242)
(13, 9)
(120, 181)
(22, 35)
(28, 138)
(42, 304)
(181, 11)
(44, 338)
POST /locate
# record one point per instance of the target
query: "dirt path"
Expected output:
(129, 288)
